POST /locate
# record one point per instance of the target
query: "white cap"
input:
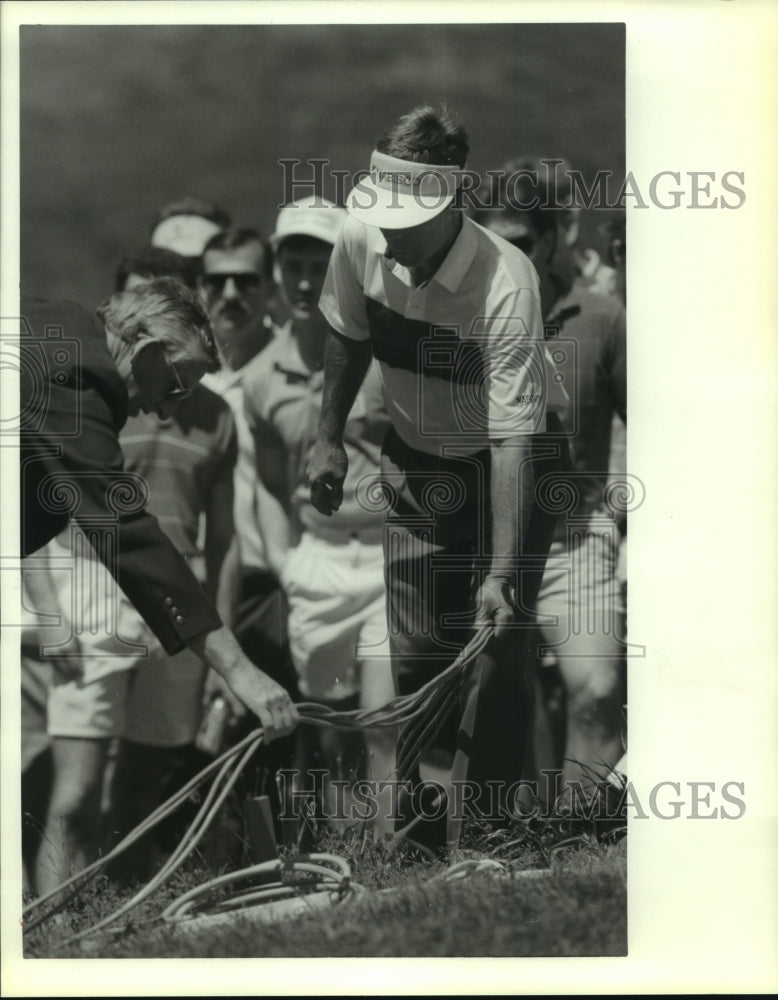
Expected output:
(184, 234)
(399, 194)
(312, 216)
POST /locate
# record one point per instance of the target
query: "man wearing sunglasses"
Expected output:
(237, 287)
(235, 282)
(80, 380)
(580, 610)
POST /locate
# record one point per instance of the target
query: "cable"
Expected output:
(421, 714)
(193, 902)
(77, 882)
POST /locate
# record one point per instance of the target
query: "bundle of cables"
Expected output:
(420, 715)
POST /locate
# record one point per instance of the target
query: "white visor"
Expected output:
(398, 194)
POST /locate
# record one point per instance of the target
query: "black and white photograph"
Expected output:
(320, 341)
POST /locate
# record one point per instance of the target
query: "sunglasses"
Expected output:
(244, 281)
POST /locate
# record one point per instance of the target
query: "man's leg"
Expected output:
(581, 593)
(495, 740)
(71, 836)
(427, 587)
(83, 717)
(377, 688)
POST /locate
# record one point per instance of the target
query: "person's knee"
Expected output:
(594, 693)
(78, 779)
(75, 799)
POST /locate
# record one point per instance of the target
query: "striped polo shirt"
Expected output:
(462, 356)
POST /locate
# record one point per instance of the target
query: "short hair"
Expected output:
(236, 237)
(299, 242)
(152, 262)
(192, 206)
(426, 135)
(175, 312)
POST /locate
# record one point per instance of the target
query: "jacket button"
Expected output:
(169, 602)
(174, 611)
(179, 619)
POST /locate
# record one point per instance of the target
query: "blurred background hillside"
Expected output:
(117, 120)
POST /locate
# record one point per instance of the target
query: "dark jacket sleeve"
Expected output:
(80, 474)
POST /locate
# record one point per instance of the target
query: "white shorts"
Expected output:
(580, 609)
(91, 629)
(122, 682)
(88, 709)
(337, 613)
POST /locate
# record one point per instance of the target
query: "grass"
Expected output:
(408, 909)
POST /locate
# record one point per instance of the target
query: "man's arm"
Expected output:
(512, 496)
(346, 363)
(228, 589)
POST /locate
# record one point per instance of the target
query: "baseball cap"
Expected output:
(399, 194)
(186, 225)
(312, 216)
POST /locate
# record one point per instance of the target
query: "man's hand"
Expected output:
(267, 699)
(260, 694)
(326, 474)
(495, 602)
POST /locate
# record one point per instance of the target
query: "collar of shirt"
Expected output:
(454, 267)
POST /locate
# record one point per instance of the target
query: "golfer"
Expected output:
(452, 314)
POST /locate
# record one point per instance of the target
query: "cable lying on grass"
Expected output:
(421, 714)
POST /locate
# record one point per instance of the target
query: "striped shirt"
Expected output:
(462, 356)
(182, 460)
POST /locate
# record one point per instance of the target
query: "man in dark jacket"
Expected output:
(80, 380)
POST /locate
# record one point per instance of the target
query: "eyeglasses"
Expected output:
(244, 281)
(179, 391)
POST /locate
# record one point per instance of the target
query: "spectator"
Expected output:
(616, 233)
(147, 263)
(452, 315)
(332, 572)
(579, 591)
(185, 226)
(591, 272)
(236, 282)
